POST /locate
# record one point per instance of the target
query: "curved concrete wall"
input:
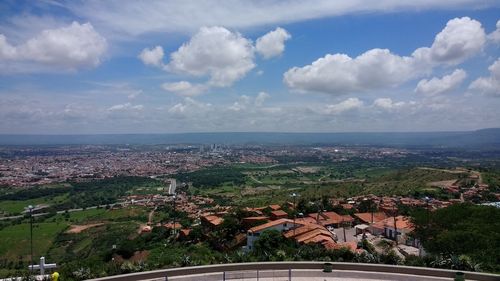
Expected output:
(261, 266)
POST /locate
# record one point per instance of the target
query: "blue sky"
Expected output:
(209, 66)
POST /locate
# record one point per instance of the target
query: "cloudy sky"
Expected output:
(118, 66)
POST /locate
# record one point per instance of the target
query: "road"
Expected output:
(172, 186)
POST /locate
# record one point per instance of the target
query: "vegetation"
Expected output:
(213, 177)
(462, 235)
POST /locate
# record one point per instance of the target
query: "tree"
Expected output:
(271, 245)
(461, 229)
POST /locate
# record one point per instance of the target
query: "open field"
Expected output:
(263, 187)
(16, 239)
(15, 207)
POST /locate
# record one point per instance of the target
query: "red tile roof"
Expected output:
(212, 219)
(279, 213)
(269, 224)
(367, 217)
(402, 223)
(275, 207)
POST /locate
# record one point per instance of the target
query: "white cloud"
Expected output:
(190, 107)
(495, 35)
(261, 98)
(379, 68)
(272, 44)
(241, 104)
(216, 52)
(184, 88)
(437, 86)
(71, 47)
(125, 106)
(153, 56)
(388, 104)
(488, 85)
(459, 40)
(135, 18)
(340, 74)
(346, 105)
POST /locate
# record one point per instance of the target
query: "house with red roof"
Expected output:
(281, 225)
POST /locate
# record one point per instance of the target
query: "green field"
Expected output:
(15, 207)
(15, 239)
(263, 187)
(101, 214)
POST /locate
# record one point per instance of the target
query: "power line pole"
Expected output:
(395, 223)
(175, 214)
(343, 228)
(294, 195)
(30, 207)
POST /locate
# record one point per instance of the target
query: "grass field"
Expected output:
(101, 214)
(15, 240)
(14, 207)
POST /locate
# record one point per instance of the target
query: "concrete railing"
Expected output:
(314, 266)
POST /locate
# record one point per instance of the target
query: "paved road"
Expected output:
(172, 187)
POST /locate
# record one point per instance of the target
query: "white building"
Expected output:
(281, 225)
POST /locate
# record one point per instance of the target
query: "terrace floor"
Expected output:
(304, 275)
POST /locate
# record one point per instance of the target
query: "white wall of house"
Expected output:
(251, 237)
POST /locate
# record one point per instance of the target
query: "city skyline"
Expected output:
(71, 67)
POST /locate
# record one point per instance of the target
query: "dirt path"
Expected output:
(79, 228)
(254, 179)
(150, 217)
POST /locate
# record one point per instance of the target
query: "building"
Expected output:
(311, 233)
(281, 225)
(211, 221)
(278, 214)
(369, 218)
(253, 221)
(332, 219)
(399, 226)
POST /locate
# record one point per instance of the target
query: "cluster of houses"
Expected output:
(332, 230)
(325, 228)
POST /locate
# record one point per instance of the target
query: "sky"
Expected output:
(119, 66)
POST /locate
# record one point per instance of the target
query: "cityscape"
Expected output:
(247, 140)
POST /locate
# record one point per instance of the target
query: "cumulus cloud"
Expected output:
(495, 35)
(223, 55)
(272, 44)
(437, 86)
(459, 40)
(189, 106)
(488, 85)
(241, 104)
(153, 56)
(184, 88)
(380, 68)
(340, 74)
(346, 105)
(261, 98)
(71, 47)
(388, 103)
(245, 102)
(126, 106)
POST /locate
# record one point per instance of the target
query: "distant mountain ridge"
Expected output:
(478, 138)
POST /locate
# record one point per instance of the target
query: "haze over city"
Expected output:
(86, 67)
